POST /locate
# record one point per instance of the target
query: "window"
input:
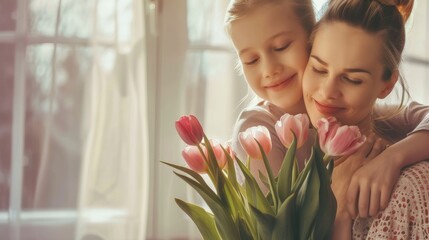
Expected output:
(415, 63)
(72, 120)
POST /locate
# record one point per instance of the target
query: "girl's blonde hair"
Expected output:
(239, 8)
(386, 18)
(302, 8)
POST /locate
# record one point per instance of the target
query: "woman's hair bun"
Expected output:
(404, 6)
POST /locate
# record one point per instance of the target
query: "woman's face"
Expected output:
(343, 77)
(273, 49)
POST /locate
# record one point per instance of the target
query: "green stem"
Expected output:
(209, 172)
(326, 159)
(271, 180)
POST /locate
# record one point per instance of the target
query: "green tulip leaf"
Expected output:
(308, 201)
(284, 184)
(214, 170)
(254, 194)
(238, 207)
(263, 179)
(303, 174)
(285, 220)
(245, 232)
(326, 214)
(202, 219)
(223, 219)
(265, 222)
(191, 172)
(232, 176)
(271, 180)
(295, 172)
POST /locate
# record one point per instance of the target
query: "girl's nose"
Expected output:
(272, 67)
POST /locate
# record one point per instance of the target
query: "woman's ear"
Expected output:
(389, 85)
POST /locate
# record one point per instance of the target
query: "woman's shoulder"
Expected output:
(406, 215)
(411, 192)
(417, 175)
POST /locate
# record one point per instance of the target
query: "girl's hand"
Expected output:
(371, 185)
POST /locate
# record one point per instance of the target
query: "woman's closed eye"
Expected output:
(352, 80)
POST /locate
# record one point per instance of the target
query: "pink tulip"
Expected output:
(194, 159)
(336, 140)
(190, 129)
(230, 151)
(218, 152)
(298, 124)
(231, 154)
(248, 137)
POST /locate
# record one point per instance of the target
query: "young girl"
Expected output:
(271, 40)
(354, 61)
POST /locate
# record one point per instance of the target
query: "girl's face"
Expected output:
(343, 77)
(272, 46)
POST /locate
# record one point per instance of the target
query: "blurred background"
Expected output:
(89, 92)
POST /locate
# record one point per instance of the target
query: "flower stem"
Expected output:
(326, 159)
(210, 171)
(273, 188)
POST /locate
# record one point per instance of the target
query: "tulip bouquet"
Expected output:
(299, 205)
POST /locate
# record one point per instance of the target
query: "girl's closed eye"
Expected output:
(249, 58)
(282, 47)
(250, 61)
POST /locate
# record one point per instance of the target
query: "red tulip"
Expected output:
(194, 159)
(336, 140)
(190, 129)
(298, 124)
(248, 137)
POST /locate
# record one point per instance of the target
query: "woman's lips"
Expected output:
(327, 109)
(281, 84)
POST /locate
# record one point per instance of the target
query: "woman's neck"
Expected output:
(366, 126)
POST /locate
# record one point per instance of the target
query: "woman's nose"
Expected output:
(329, 88)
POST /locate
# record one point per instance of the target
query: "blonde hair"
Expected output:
(386, 18)
(302, 8)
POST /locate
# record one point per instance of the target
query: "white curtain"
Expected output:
(196, 76)
(74, 135)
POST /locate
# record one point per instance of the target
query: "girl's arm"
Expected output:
(411, 128)
(371, 186)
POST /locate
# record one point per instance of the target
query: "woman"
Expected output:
(356, 50)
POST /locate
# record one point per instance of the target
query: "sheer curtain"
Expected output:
(73, 120)
(196, 76)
